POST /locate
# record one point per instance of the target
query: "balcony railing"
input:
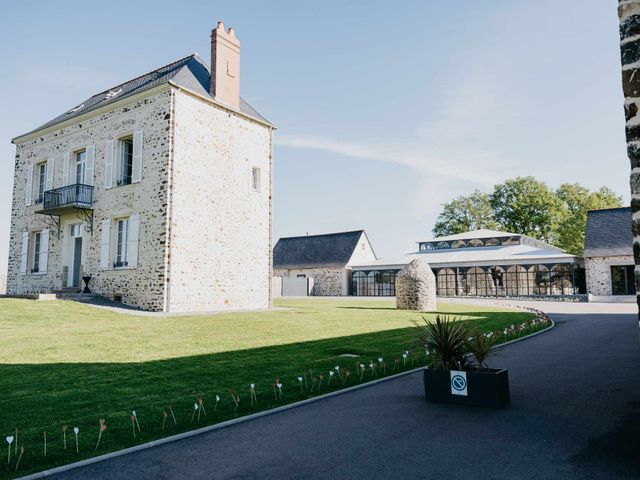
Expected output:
(76, 195)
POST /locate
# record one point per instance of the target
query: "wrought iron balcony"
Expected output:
(76, 198)
(62, 199)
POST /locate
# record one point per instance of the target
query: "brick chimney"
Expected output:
(225, 66)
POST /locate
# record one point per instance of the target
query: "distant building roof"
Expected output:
(482, 233)
(190, 72)
(332, 249)
(469, 257)
(608, 233)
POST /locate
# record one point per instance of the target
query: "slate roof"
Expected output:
(189, 72)
(608, 233)
(329, 250)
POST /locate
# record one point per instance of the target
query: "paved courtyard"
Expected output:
(575, 413)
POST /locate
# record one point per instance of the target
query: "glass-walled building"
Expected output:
(481, 263)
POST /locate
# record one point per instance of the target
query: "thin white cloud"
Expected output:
(461, 140)
(445, 164)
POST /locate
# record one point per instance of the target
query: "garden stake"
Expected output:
(20, 457)
(103, 427)
(9, 441)
(235, 398)
(300, 381)
(45, 443)
(64, 436)
(215, 407)
(252, 393)
(135, 419)
(170, 406)
(321, 377)
(201, 404)
(76, 430)
(133, 425)
(164, 418)
(279, 385)
(346, 376)
(195, 409)
(275, 394)
(361, 369)
(330, 375)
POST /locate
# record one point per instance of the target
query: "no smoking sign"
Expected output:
(458, 382)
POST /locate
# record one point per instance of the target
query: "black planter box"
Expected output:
(484, 388)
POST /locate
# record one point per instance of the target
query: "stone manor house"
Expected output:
(158, 189)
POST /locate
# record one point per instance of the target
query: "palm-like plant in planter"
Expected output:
(447, 339)
(452, 345)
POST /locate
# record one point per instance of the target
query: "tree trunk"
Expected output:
(629, 14)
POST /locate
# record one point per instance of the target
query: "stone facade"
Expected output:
(327, 282)
(203, 238)
(629, 15)
(598, 273)
(220, 232)
(416, 287)
(142, 286)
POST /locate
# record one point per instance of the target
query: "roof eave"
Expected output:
(110, 106)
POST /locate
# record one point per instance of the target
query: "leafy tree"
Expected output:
(526, 205)
(465, 213)
(577, 200)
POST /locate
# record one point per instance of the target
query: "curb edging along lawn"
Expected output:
(245, 418)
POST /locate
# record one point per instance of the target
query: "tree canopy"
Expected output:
(528, 206)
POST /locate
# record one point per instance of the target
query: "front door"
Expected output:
(77, 259)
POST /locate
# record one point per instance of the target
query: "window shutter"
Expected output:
(136, 174)
(132, 240)
(104, 244)
(65, 169)
(108, 164)
(29, 191)
(24, 252)
(44, 250)
(89, 165)
(50, 169)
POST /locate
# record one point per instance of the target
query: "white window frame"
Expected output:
(121, 161)
(121, 237)
(41, 181)
(37, 250)
(80, 160)
(256, 179)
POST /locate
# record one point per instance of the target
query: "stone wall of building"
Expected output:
(598, 273)
(220, 232)
(327, 282)
(416, 287)
(144, 285)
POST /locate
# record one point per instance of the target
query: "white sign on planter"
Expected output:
(458, 383)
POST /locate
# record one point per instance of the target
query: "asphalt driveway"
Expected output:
(575, 413)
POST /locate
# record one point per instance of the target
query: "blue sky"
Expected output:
(385, 109)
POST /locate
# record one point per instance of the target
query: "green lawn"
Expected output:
(64, 363)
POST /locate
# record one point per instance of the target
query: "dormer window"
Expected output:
(113, 93)
(74, 110)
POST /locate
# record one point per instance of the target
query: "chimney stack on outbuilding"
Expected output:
(225, 66)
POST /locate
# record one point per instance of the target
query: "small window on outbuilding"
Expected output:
(256, 179)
